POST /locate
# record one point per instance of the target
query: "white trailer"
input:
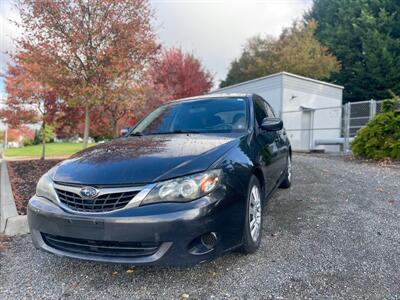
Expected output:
(311, 109)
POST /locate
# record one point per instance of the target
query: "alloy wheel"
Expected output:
(255, 213)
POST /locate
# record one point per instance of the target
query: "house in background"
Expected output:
(310, 109)
(15, 137)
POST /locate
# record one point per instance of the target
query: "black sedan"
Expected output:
(185, 185)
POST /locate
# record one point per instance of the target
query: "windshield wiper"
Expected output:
(175, 131)
(185, 131)
(136, 134)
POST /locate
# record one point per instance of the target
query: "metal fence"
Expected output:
(329, 128)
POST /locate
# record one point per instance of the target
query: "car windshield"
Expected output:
(216, 115)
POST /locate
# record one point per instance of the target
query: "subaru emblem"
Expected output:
(89, 192)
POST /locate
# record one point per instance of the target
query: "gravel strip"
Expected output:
(334, 234)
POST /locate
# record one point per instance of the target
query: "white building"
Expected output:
(310, 109)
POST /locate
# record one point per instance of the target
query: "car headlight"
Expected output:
(184, 189)
(45, 187)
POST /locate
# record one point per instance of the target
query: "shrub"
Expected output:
(380, 139)
(46, 133)
(389, 105)
(27, 142)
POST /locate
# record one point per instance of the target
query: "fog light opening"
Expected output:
(209, 239)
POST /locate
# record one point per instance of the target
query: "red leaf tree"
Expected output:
(180, 74)
(27, 101)
(174, 75)
(84, 49)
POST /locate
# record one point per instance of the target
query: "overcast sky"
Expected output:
(214, 31)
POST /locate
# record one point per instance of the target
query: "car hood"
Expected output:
(144, 159)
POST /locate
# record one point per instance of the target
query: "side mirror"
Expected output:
(124, 131)
(272, 124)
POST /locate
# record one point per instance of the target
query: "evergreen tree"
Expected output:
(365, 36)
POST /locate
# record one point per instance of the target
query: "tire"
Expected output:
(251, 241)
(287, 181)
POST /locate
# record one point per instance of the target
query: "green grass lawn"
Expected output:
(52, 149)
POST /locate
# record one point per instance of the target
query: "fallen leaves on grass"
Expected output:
(24, 175)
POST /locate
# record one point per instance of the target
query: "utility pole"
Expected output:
(5, 137)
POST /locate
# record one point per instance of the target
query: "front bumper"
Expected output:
(173, 229)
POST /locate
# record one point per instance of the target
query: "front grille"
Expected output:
(102, 203)
(94, 247)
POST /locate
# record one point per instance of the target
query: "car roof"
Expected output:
(211, 96)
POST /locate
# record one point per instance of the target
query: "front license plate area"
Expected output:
(89, 229)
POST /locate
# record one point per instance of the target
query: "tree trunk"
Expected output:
(87, 128)
(43, 141)
(114, 127)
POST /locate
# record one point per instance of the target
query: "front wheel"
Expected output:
(287, 181)
(253, 222)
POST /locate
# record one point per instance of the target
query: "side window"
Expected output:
(267, 108)
(270, 111)
(260, 110)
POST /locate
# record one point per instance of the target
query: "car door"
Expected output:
(268, 151)
(281, 142)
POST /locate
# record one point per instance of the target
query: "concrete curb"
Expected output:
(10, 222)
